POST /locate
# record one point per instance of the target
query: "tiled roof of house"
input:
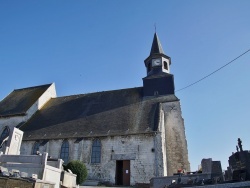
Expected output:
(20, 100)
(117, 112)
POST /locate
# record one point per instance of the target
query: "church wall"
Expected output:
(43, 99)
(26, 147)
(136, 148)
(54, 147)
(11, 122)
(142, 151)
(176, 144)
(47, 95)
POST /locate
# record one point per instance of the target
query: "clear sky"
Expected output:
(91, 45)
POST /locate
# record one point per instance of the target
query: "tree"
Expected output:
(78, 168)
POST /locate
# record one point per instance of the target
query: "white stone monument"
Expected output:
(14, 142)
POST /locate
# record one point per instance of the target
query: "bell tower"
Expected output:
(158, 81)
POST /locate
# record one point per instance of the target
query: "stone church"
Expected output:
(124, 136)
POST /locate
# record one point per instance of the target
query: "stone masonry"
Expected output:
(149, 154)
(176, 144)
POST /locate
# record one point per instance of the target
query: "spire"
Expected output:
(156, 46)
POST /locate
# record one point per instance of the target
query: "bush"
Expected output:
(78, 168)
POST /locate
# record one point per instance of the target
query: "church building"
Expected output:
(124, 136)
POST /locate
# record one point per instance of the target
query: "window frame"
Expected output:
(96, 152)
(64, 151)
(35, 148)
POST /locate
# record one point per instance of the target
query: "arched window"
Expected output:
(64, 155)
(96, 152)
(4, 134)
(35, 148)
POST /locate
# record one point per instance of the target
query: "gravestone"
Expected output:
(206, 165)
(14, 142)
(216, 167)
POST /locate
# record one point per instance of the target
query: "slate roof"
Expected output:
(157, 50)
(156, 47)
(117, 112)
(20, 100)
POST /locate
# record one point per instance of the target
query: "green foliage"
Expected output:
(78, 168)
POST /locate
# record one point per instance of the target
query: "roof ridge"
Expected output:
(99, 92)
(33, 87)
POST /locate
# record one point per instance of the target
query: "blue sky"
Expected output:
(88, 46)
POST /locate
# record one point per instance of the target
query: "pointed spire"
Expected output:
(156, 46)
(156, 51)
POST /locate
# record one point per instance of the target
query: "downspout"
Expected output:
(156, 155)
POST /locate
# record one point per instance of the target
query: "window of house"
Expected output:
(96, 152)
(35, 148)
(64, 154)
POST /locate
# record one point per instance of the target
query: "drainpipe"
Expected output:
(156, 156)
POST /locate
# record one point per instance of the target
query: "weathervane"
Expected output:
(155, 27)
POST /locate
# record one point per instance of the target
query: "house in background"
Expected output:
(124, 136)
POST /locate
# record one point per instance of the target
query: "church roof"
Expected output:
(117, 112)
(20, 100)
(156, 50)
(156, 46)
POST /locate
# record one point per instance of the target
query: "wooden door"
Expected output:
(123, 172)
(126, 173)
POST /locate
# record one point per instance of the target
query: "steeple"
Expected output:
(156, 46)
(157, 61)
(158, 81)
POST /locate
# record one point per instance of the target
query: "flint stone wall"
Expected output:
(139, 149)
